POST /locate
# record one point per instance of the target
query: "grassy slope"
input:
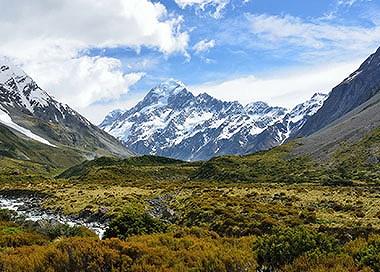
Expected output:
(17, 146)
(350, 162)
(144, 168)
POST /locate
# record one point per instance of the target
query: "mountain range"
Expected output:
(170, 121)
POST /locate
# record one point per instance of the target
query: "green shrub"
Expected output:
(7, 215)
(64, 230)
(132, 223)
(285, 245)
(370, 254)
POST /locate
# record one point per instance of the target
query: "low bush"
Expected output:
(132, 223)
(285, 245)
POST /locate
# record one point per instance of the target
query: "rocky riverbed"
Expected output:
(28, 205)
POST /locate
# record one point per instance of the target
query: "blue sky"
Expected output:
(107, 56)
(238, 51)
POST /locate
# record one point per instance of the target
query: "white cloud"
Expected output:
(47, 38)
(50, 39)
(203, 46)
(217, 5)
(346, 2)
(286, 89)
(282, 31)
(97, 112)
(90, 23)
(80, 82)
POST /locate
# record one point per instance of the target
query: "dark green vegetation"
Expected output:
(134, 168)
(132, 223)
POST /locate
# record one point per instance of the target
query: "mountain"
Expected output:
(339, 141)
(358, 88)
(170, 121)
(32, 114)
(349, 115)
(288, 126)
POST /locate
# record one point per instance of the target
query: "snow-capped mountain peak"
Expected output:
(21, 89)
(288, 125)
(169, 88)
(308, 108)
(256, 107)
(171, 121)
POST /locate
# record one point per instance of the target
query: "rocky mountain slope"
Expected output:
(170, 121)
(33, 115)
(345, 130)
(358, 88)
(339, 138)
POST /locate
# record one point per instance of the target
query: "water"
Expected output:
(30, 210)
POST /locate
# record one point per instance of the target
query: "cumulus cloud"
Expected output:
(203, 46)
(287, 89)
(90, 23)
(217, 5)
(51, 39)
(82, 81)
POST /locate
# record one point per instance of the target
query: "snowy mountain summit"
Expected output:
(19, 93)
(19, 90)
(171, 121)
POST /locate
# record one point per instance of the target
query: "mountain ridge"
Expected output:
(171, 121)
(353, 91)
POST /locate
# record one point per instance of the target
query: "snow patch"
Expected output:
(7, 120)
(350, 78)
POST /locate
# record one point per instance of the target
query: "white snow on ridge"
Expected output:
(350, 78)
(36, 97)
(6, 120)
(169, 122)
(169, 87)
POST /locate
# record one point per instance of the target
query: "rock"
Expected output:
(372, 160)
(276, 197)
(23, 207)
(169, 215)
(85, 214)
(29, 214)
(102, 210)
(160, 209)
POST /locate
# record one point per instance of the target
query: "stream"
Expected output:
(29, 207)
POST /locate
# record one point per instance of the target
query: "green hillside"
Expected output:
(350, 163)
(18, 147)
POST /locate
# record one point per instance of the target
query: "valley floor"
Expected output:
(208, 227)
